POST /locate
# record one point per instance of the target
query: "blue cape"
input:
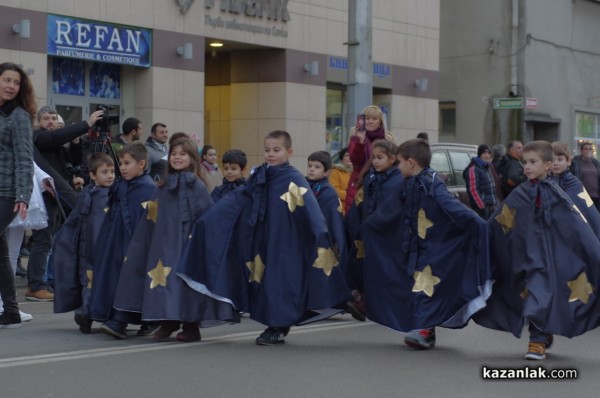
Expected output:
(126, 206)
(427, 257)
(72, 246)
(546, 262)
(264, 248)
(148, 288)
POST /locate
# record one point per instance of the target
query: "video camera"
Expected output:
(102, 126)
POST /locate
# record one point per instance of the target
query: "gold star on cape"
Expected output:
(159, 275)
(152, 207)
(359, 196)
(586, 197)
(360, 249)
(294, 196)
(425, 281)
(423, 223)
(257, 269)
(506, 218)
(90, 276)
(326, 260)
(524, 294)
(580, 289)
(106, 209)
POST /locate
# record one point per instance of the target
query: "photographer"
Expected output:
(49, 141)
(52, 157)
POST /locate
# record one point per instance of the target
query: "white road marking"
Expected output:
(132, 349)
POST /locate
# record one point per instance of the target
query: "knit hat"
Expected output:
(483, 148)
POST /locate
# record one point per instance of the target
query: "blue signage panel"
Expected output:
(98, 41)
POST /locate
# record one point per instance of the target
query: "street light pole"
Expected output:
(360, 61)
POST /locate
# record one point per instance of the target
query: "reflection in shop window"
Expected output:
(587, 130)
(68, 76)
(105, 80)
(335, 138)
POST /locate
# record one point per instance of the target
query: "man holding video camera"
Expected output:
(52, 157)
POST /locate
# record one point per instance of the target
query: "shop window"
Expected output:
(335, 138)
(68, 76)
(447, 117)
(587, 130)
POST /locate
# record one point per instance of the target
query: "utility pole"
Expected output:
(360, 60)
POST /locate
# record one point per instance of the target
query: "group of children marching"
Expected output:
(408, 255)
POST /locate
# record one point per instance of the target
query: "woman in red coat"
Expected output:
(359, 147)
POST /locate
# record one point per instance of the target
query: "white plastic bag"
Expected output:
(37, 216)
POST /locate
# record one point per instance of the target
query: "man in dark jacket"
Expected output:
(156, 145)
(480, 183)
(51, 157)
(511, 168)
(587, 168)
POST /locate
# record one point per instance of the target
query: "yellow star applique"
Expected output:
(586, 197)
(360, 249)
(106, 209)
(326, 260)
(580, 289)
(257, 269)
(294, 196)
(524, 294)
(506, 218)
(423, 223)
(90, 276)
(159, 275)
(359, 196)
(152, 207)
(425, 281)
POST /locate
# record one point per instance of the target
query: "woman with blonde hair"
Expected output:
(359, 147)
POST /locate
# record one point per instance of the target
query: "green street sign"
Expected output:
(509, 103)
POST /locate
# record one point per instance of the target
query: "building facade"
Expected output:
(520, 69)
(282, 65)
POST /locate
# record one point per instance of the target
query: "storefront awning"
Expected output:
(540, 118)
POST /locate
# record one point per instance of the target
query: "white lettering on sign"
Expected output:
(84, 35)
(276, 10)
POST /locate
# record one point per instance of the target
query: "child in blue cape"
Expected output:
(265, 250)
(426, 255)
(74, 243)
(128, 198)
(234, 163)
(545, 258)
(148, 289)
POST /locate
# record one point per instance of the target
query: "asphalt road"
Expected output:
(49, 357)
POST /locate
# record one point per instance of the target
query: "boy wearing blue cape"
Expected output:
(127, 199)
(572, 186)
(265, 250)
(427, 255)
(75, 240)
(545, 258)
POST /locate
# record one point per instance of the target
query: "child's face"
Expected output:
(316, 170)
(130, 168)
(560, 164)
(535, 167)
(381, 160)
(211, 156)
(275, 151)
(232, 172)
(179, 159)
(104, 176)
(346, 159)
(408, 167)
